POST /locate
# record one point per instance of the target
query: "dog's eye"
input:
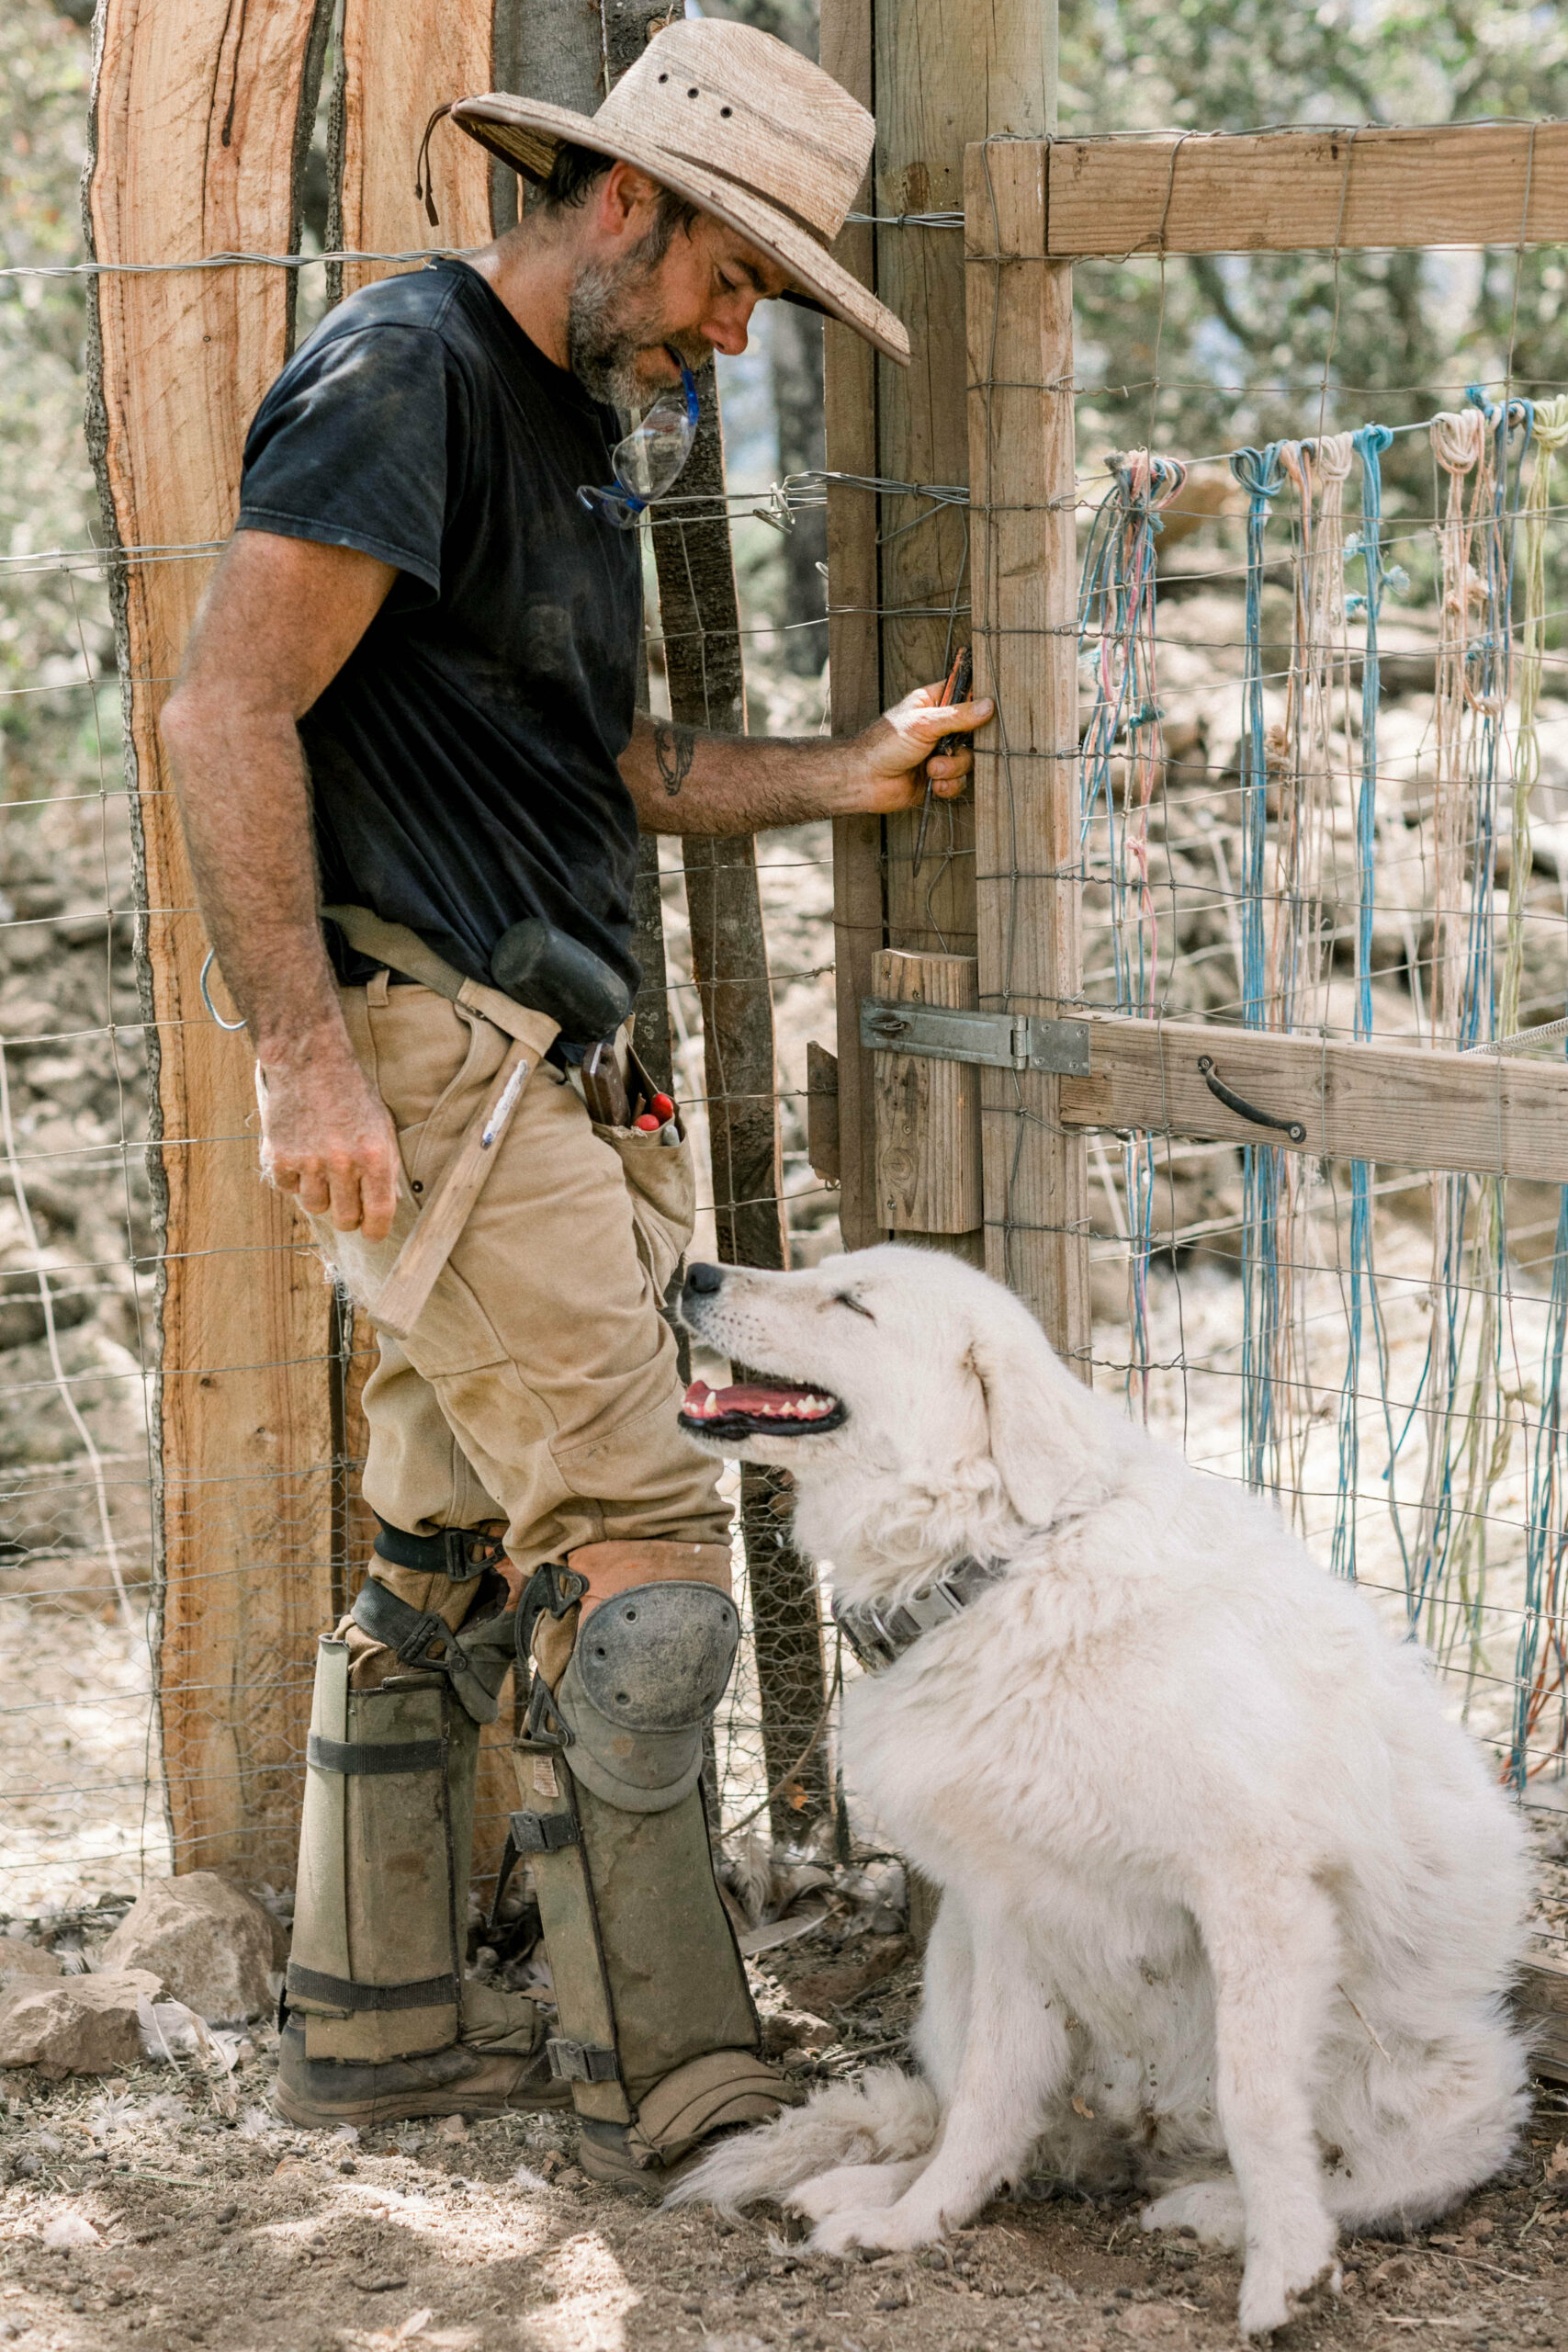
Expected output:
(844, 1298)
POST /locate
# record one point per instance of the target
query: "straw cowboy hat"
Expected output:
(738, 123)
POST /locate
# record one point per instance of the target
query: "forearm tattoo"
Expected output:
(676, 747)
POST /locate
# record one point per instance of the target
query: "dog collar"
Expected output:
(879, 1637)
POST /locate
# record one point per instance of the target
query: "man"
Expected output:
(409, 699)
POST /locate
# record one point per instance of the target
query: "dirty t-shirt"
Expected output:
(463, 760)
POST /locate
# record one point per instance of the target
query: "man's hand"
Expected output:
(684, 781)
(326, 1137)
(894, 754)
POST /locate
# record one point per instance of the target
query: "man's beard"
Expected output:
(613, 321)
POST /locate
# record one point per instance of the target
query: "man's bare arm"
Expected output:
(280, 619)
(685, 780)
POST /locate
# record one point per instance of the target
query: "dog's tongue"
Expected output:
(756, 1402)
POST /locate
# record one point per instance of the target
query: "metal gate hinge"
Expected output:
(1000, 1040)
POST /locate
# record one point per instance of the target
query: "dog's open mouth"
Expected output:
(758, 1408)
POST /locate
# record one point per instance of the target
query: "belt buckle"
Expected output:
(416, 1642)
(469, 1551)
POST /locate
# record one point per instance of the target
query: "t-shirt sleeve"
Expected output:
(349, 447)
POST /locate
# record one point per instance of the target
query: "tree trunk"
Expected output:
(702, 647)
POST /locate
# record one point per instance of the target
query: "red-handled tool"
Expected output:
(959, 679)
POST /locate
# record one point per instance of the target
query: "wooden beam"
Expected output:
(928, 1112)
(196, 131)
(1285, 191)
(854, 658)
(1023, 567)
(1487, 1115)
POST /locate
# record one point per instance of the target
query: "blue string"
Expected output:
(1260, 474)
(1369, 444)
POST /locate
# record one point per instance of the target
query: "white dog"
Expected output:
(1227, 1904)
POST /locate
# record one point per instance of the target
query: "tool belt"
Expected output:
(402, 950)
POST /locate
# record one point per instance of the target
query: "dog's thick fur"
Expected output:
(1228, 1907)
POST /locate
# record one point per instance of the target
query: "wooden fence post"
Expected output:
(900, 568)
(1023, 492)
(196, 142)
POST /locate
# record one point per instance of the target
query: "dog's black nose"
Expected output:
(703, 1280)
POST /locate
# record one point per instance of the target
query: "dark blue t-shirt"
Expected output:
(463, 760)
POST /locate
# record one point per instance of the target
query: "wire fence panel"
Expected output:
(1322, 783)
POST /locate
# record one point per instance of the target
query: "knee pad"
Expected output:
(647, 1670)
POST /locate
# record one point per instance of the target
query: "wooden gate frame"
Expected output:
(1032, 208)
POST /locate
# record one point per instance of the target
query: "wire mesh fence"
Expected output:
(1325, 755)
(1324, 792)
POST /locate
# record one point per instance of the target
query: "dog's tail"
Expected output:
(885, 2116)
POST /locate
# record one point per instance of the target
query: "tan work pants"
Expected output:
(539, 1386)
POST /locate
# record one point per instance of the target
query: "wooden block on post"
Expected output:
(1024, 561)
(822, 1114)
(928, 1112)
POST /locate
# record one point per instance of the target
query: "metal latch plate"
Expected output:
(1000, 1040)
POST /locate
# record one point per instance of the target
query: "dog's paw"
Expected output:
(849, 2189)
(888, 2229)
(1211, 2208)
(1275, 2289)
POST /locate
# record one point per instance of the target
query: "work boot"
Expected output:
(319, 2093)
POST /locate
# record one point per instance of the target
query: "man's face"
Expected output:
(640, 287)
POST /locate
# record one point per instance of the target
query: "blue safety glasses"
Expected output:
(648, 459)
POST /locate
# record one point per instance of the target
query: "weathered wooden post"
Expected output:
(911, 572)
(198, 123)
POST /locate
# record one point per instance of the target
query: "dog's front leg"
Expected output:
(1273, 1951)
(1014, 2062)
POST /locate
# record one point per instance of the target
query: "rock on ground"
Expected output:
(76, 2025)
(23, 1964)
(210, 1945)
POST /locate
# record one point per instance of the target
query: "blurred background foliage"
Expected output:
(56, 643)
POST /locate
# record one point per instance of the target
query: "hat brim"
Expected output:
(525, 133)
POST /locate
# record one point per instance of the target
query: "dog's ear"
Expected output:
(1040, 1419)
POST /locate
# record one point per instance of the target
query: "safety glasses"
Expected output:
(647, 462)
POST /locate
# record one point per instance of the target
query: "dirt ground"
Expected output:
(163, 2210)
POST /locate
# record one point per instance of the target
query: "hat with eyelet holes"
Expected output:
(738, 123)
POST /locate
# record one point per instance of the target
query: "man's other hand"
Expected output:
(895, 754)
(327, 1139)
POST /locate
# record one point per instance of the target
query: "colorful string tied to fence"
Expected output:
(1305, 754)
(1117, 640)
(1370, 445)
(1541, 1664)
(1465, 1422)
(1262, 477)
